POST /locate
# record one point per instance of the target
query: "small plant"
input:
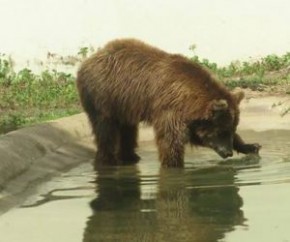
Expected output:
(83, 52)
(6, 70)
(285, 111)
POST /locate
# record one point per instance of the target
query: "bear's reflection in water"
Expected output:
(188, 205)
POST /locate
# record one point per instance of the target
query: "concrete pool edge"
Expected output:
(30, 147)
(32, 153)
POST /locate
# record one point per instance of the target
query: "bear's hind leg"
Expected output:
(128, 144)
(107, 139)
(105, 130)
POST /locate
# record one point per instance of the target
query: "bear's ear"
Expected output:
(238, 96)
(218, 107)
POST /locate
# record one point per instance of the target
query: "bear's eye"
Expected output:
(208, 131)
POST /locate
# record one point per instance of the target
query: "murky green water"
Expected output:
(241, 199)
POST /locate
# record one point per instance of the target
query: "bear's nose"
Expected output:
(225, 152)
(229, 153)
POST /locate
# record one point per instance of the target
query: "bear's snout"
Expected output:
(224, 153)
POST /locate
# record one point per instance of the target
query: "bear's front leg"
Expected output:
(170, 138)
(240, 146)
(170, 142)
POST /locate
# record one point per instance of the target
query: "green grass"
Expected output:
(266, 71)
(27, 98)
(258, 67)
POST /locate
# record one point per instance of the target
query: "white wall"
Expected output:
(223, 30)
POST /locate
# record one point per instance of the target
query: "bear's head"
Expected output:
(218, 128)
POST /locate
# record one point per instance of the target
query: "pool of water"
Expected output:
(245, 198)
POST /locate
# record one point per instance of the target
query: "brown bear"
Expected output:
(128, 82)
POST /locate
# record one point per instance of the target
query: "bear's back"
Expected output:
(131, 79)
(133, 46)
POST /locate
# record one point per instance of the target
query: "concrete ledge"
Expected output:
(32, 147)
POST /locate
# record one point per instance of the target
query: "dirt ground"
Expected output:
(265, 110)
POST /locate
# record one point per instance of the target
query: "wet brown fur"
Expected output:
(128, 81)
